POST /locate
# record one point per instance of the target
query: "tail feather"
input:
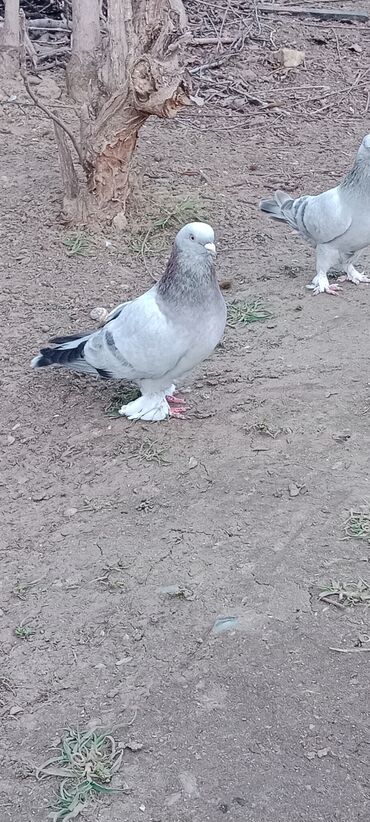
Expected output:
(69, 341)
(281, 208)
(69, 355)
(272, 208)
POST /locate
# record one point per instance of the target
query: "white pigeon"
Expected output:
(336, 223)
(159, 337)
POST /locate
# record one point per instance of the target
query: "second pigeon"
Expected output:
(336, 223)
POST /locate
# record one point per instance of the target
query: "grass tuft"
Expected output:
(152, 241)
(151, 451)
(357, 525)
(78, 245)
(241, 312)
(85, 766)
(24, 631)
(348, 593)
(123, 398)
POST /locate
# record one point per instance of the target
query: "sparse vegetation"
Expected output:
(24, 631)
(123, 398)
(242, 312)
(152, 451)
(21, 589)
(154, 239)
(347, 593)
(85, 767)
(78, 245)
(357, 525)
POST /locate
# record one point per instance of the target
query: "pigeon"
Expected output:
(336, 223)
(159, 337)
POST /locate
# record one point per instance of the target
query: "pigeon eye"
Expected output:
(192, 237)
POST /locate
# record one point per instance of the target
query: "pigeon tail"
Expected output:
(69, 353)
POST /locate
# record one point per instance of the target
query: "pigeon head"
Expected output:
(196, 238)
(364, 150)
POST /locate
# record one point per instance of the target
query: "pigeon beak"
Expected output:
(210, 247)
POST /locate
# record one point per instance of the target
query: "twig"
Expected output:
(212, 41)
(351, 650)
(318, 14)
(333, 602)
(23, 71)
(214, 63)
(49, 23)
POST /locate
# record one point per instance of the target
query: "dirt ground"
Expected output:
(264, 721)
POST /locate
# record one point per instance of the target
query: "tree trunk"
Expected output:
(82, 69)
(9, 44)
(140, 74)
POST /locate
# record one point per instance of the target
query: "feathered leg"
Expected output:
(326, 257)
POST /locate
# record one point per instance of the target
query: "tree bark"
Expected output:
(140, 74)
(9, 44)
(82, 69)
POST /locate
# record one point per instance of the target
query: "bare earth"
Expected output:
(264, 721)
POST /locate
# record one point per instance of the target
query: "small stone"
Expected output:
(289, 58)
(15, 710)
(10, 439)
(70, 512)
(99, 314)
(45, 329)
(311, 755)
(120, 221)
(293, 489)
(193, 462)
(323, 752)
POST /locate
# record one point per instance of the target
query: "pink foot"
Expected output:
(172, 400)
(177, 406)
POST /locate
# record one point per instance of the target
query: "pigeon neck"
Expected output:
(359, 176)
(188, 278)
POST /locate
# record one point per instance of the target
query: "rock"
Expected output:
(289, 58)
(120, 221)
(49, 89)
(99, 314)
(70, 512)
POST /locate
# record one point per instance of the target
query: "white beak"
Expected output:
(210, 247)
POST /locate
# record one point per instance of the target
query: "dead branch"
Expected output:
(317, 14)
(32, 95)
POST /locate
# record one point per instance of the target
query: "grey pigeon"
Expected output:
(336, 223)
(157, 338)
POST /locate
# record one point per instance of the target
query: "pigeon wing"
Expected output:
(324, 217)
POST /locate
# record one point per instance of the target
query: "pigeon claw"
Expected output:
(331, 289)
(177, 406)
(178, 413)
(355, 276)
(172, 400)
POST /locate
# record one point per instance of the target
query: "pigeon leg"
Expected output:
(151, 407)
(177, 404)
(355, 276)
(326, 257)
(320, 284)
